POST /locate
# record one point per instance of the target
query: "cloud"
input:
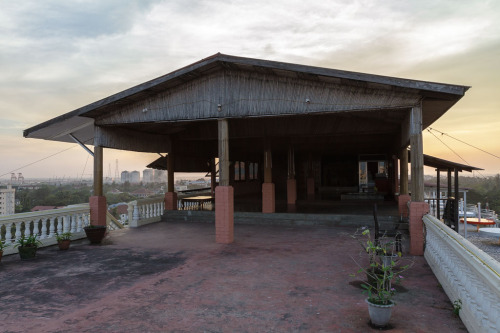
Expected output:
(56, 56)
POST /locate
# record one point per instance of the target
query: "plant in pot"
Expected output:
(381, 274)
(63, 240)
(3, 245)
(95, 233)
(27, 246)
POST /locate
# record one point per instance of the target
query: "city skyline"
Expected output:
(59, 56)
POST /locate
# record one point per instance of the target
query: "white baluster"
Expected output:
(44, 228)
(135, 215)
(8, 233)
(18, 230)
(74, 221)
(52, 226)
(86, 220)
(79, 222)
(60, 224)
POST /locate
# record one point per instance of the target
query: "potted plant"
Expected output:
(95, 233)
(27, 246)
(3, 245)
(381, 274)
(63, 240)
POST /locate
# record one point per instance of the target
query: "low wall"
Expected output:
(466, 273)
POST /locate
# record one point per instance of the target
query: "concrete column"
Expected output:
(213, 177)
(224, 193)
(417, 212)
(417, 155)
(438, 194)
(268, 189)
(395, 174)
(171, 195)
(403, 171)
(291, 183)
(97, 202)
(403, 204)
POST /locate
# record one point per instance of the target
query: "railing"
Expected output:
(145, 211)
(466, 273)
(45, 224)
(433, 205)
(183, 204)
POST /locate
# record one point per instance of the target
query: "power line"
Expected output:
(42, 159)
(428, 130)
(468, 144)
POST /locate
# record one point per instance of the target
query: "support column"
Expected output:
(224, 193)
(213, 177)
(438, 195)
(417, 212)
(418, 208)
(268, 190)
(171, 195)
(395, 174)
(403, 170)
(417, 155)
(310, 179)
(97, 202)
(291, 183)
(455, 211)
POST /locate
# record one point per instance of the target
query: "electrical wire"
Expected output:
(42, 159)
(428, 130)
(468, 144)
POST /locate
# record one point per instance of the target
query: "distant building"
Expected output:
(7, 200)
(148, 176)
(135, 177)
(125, 176)
(143, 193)
(41, 208)
(160, 176)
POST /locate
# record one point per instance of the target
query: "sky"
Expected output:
(56, 56)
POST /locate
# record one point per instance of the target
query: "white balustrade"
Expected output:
(62, 220)
(145, 211)
(466, 273)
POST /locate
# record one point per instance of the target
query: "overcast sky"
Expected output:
(56, 56)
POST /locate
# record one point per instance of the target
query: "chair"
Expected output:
(391, 233)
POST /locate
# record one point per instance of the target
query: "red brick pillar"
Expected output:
(417, 212)
(402, 204)
(291, 191)
(310, 187)
(268, 198)
(98, 210)
(171, 201)
(224, 214)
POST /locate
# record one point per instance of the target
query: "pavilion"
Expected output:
(272, 129)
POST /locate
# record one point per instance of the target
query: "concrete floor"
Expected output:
(173, 277)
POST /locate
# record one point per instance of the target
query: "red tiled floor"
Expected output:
(175, 278)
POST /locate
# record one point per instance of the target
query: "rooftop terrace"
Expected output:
(174, 277)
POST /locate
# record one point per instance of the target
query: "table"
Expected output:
(201, 200)
(490, 232)
(475, 221)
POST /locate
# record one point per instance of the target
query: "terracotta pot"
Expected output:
(27, 252)
(95, 234)
(379, 314)
(64, 244)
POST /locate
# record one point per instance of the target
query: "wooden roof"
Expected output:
(436, 98)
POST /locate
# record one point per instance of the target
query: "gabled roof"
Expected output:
(80, 121)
